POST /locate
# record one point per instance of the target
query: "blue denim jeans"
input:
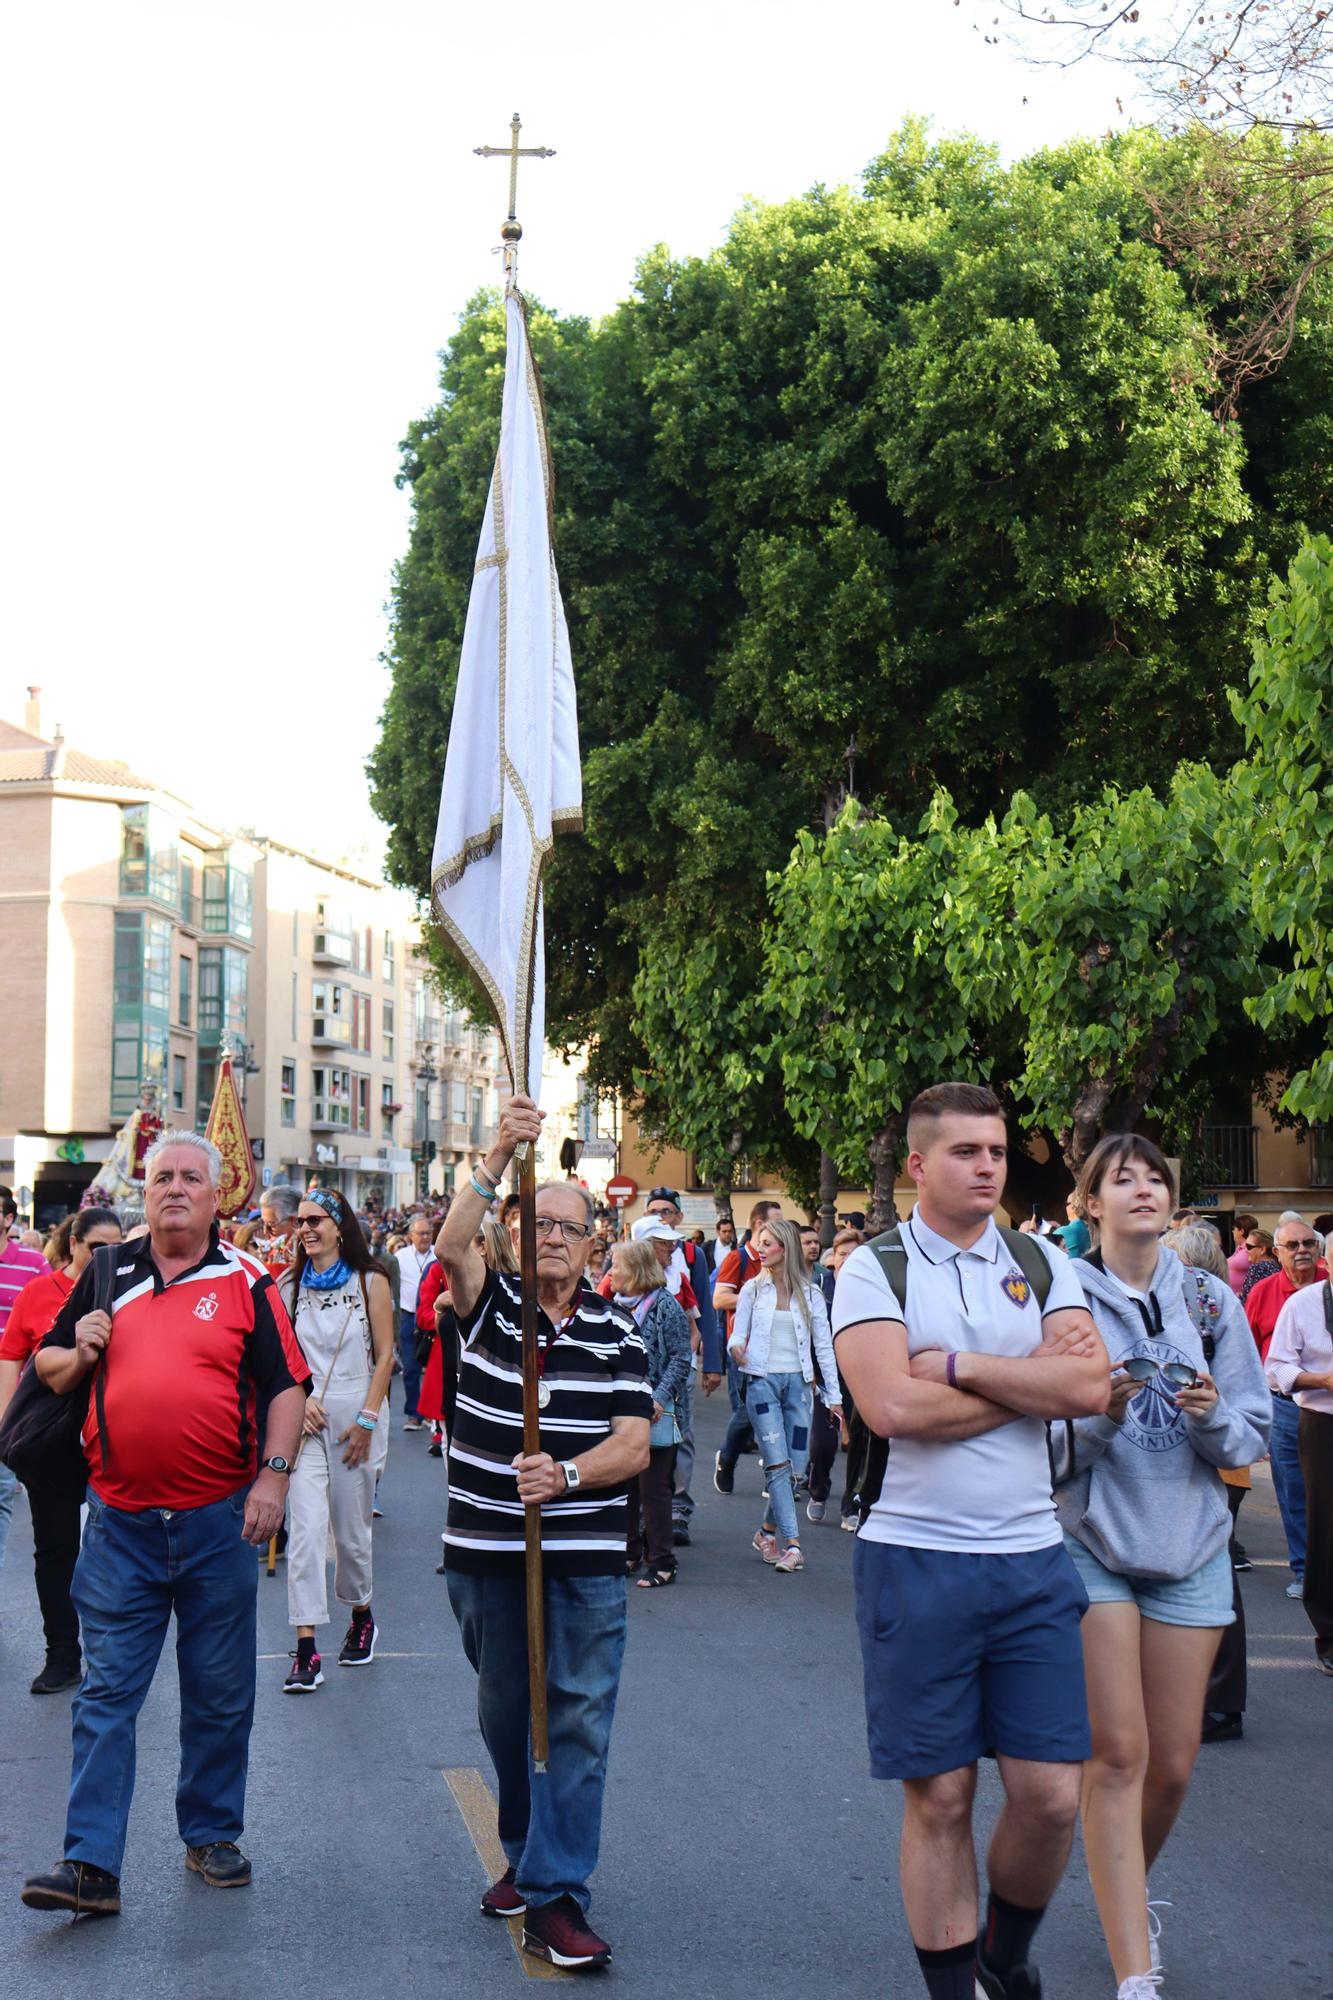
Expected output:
(133, 1571)
(682, 1500)
(407, 1354)
(780, 1407)
(1284, 1453)
(550, 1827)
(8, 1488)
(740, 1431)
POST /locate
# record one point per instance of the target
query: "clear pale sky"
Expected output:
(236, 236)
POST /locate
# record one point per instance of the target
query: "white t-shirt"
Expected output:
(784, 1356)
(988, 1494)
(413, 1264)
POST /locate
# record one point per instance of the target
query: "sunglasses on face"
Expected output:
(1142, 1368)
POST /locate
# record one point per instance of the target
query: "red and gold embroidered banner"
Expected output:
(226, 1128)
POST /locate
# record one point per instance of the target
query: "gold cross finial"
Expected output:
(512, 229)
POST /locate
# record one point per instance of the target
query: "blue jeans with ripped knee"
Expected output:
(779, 1408)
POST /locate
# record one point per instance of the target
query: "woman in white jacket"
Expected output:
(779, 1334)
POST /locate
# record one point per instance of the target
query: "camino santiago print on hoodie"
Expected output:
(1144, 1496)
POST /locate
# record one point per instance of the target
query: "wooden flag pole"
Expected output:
(532, 1444)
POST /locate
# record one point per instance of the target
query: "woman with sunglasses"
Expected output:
(342, 1310)
(1147, 1524)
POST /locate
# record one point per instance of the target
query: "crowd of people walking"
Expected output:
(1040, 1437)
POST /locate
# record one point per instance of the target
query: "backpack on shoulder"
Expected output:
(868, 1453)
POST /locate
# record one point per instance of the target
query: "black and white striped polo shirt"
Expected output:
(596, 1369)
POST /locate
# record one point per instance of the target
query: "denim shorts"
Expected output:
(1204, 1599)
(967, 1654)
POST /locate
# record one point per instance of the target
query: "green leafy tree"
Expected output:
(1281, 832)
(1127, 943)
(858, 984)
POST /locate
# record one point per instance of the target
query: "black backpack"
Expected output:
(867, 1453)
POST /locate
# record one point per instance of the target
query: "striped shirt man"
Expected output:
(594, 1369)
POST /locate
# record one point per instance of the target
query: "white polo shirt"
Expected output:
(984, 1495)
(413, 1264)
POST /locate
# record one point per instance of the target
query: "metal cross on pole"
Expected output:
(512, 230)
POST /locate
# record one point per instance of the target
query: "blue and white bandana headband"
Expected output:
(337, 1274)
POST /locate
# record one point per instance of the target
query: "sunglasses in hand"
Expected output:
(1142, 1368)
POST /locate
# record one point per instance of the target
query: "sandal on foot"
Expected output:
(658, 1580)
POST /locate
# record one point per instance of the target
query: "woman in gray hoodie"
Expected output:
(1146, 1522)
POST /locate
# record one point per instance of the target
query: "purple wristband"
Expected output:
(949, 1370)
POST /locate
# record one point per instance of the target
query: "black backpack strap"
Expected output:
(1031, 1262)
(892, 1259)
(106, 1256)
(868, 1453)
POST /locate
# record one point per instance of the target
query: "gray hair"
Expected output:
(280, 1201)
(196, 1142)
(571, 1187)
(1199, 1245)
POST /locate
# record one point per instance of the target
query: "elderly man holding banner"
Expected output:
(595, 1412)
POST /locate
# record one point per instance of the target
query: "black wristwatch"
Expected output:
(278, 1464)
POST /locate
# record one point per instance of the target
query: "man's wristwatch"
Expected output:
(571, 1472)
(278, 1464)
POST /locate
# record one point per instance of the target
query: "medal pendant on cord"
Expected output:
(543, 1394)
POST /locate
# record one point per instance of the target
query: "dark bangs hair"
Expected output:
(356, 1253)
(1120, 1149)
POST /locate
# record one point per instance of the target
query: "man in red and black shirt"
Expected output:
(196, 1332)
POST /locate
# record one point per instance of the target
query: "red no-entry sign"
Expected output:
(621, 1190)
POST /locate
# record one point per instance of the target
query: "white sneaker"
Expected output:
(1155, 1931)
(1139, 1986)
(815, 1510)
(1296, 1588)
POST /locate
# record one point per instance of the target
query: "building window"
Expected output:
(228, 898)
(476, 1114)
(387, 967)
(178, 1083)
(184, 983)
(223, 986)
(388, 1030)
(361, 1022)
(288, 1093)
(389, 1107)
(459, 1112)
(190, 906)
(141, 1003)
(421, 1111)
(205, 1084)
(333, 932)
(148, 857)
(332, 1095)
(361, 1104)
(331, 1012)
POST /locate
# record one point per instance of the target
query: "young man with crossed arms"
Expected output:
(968, 1606)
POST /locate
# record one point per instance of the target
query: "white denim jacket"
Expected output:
(752, 1329)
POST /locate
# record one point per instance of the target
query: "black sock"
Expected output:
(948, 1974)
(305, 1651)
(1009, 1933)
(362, 1617)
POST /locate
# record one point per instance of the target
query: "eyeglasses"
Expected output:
(1300, 1243)
(571, 1231)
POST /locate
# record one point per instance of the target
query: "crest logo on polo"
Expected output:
(1016, 1288)
(207, 1307)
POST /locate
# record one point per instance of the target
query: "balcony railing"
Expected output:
(1230, 1154)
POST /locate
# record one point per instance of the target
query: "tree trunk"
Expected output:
(722, 1197)
(1078, 1138)
(883, 1168)
(828, 1197)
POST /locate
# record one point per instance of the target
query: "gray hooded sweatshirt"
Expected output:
(1144, 1496)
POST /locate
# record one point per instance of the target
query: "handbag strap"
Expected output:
(342, 1335)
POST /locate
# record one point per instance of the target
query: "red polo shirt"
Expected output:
(1266, 1302)
(183, 1368)
(34, 1314)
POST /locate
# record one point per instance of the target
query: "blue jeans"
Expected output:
(682, 1500)
(8, 1488)
(740, 1430)
(780, 1407)
(133, 1571)
(550, 1827)
(1284, 1452)
(407, 1354)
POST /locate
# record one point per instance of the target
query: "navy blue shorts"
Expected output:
(965, 1654)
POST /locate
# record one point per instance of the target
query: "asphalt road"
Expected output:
(745, 1848)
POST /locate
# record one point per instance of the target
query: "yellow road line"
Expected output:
(476, 1802)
